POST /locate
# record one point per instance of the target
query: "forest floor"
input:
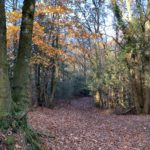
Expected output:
(81, 126)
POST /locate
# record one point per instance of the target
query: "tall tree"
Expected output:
(21, 81)
(135, 50)
(5, 94)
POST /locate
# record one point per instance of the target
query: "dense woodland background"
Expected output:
(57, 50)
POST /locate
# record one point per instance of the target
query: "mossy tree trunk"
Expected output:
(5, 92)
(136, 61)
(54, 79)
(21, 80)
(54, 74)
(146, 61)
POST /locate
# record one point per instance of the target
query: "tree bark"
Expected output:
(5, 92)
(54, 73)
(21, 80)
(54, 79)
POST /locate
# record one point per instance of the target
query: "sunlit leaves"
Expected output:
(42, 8)
(12, 34)
(14, 16)
(38, 30)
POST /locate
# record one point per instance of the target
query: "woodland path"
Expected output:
(81, 126)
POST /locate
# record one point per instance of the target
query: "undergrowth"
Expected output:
(31, 138)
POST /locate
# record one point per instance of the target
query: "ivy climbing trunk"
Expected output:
(5, 92)
(21, 80)
(137, 62)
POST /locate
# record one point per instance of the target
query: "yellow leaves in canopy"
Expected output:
(13, 29)
(96, 35)
(38, 36)
(13, 16)
(49, 50)
(12, 34)
(74, 34)
(43, 8)
(38, 30)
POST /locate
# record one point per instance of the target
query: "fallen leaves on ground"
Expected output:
(81, 126)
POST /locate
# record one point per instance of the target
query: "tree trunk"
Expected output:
(21, 80)
(147, 100)
(53, 80)
(38, 83)
(54, 74)
(5, 92)
(140, 93)
(98, 99)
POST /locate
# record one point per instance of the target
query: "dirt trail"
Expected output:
(81, 126)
